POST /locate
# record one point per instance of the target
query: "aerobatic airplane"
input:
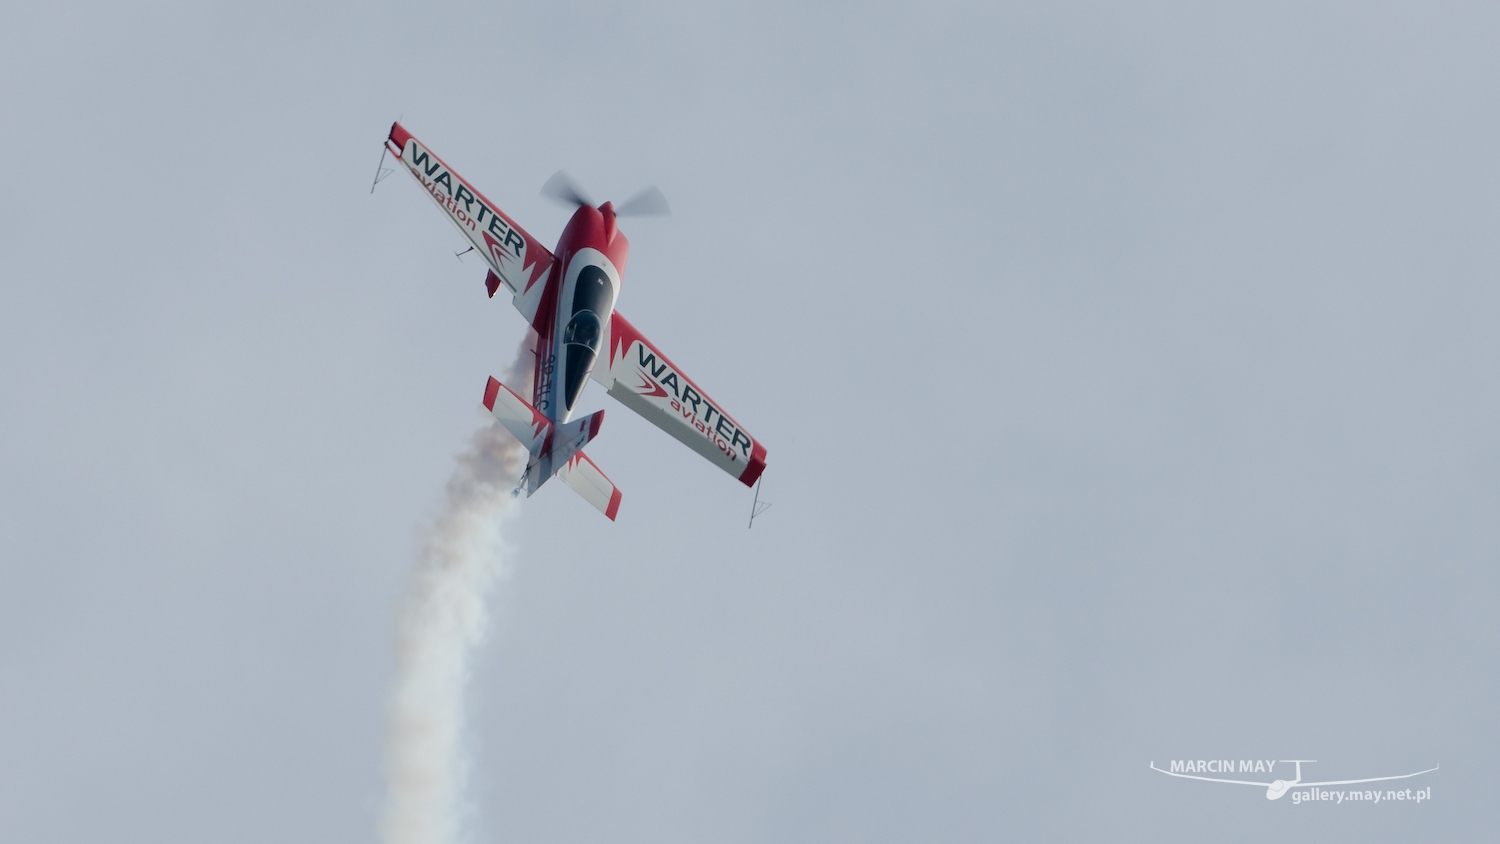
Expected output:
(569, 296)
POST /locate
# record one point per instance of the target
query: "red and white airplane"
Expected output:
(569, 296)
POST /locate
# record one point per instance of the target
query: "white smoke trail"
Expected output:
(442, 619)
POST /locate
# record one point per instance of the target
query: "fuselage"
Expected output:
(568, 297)
(572, 321)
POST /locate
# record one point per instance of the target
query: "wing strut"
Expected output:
(381, 171)
(756, 508)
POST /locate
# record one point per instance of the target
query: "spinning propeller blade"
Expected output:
(647, 202)
(562, 188)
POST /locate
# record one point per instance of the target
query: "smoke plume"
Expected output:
(442, 619)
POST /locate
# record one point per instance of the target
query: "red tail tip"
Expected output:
(491, 390)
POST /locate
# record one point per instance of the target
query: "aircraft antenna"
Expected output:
(756, 508)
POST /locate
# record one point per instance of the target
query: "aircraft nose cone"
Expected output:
(1277, 789)
(608, 211)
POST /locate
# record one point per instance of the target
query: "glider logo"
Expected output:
(1301, 791)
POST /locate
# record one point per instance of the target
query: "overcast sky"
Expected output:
(1128, 374)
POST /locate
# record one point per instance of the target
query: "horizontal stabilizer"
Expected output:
(554, 448)
(524, 422)
(584, 477)
(565, 441)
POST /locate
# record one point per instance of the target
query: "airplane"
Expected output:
(568, 296)
(1277, 788)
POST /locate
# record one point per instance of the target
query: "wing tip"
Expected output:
(756, 466)
(398, 135)
(491, 390)
(614, 504)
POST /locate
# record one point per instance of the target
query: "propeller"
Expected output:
(562, 188)
(646, 203)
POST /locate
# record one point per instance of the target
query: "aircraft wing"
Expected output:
(637, 374)
(1371, 779)
(516, 257)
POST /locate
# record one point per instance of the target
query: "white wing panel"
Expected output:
(638, 375)
(517, 257)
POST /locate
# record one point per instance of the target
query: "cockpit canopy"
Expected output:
(593, 295)
(584, 329)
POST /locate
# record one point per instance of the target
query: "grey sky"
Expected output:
(1128, 375)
